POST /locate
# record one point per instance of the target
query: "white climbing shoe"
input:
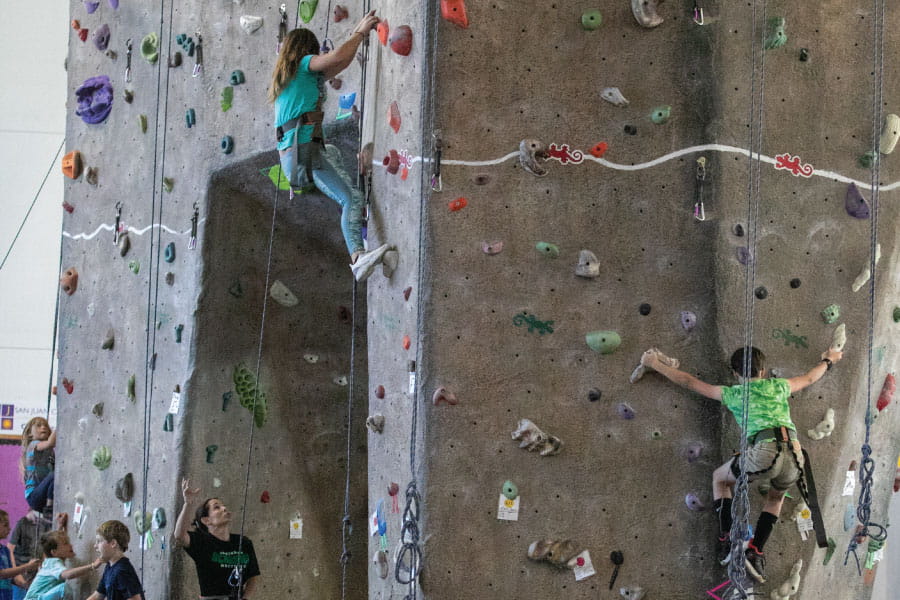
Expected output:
(367, 261)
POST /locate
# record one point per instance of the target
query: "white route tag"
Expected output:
(176, 403)
(584, 568)
(804, 523)
(508, 510)
(849, 484)
(296, 529)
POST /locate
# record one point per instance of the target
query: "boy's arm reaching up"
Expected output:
(816, 373)
(685, 380)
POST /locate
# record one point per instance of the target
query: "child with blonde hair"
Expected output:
(36, 465)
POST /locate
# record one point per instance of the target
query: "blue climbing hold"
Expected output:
(170, 252)
(227, 144)
(237, 77)
(190, 118)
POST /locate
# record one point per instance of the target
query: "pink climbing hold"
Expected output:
(69, 385)
(442, 394)
(406, 293)
(401, 40)
(394, 116)
(887, 392)
(694, 503)
(492, 248)
(340, 13)
(455, 12)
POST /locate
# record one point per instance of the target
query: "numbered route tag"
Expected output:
(584, 568)
(373, 523)
(296, 529)
(176, 402)
(849, 484)
(508, 510)
(804, 523)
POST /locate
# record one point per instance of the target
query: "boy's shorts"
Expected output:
(771, 460)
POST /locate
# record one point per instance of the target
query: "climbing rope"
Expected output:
(867, 464)
(740, 507)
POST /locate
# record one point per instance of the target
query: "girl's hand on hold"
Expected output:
(648, 359)
(833, 355)
(190, 495)
(367, 24)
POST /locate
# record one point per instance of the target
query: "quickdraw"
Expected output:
(198, 56)
(118, 223)
(192, 243)
(128, 60)
(699, 208)
(436, 183)
(282, 27)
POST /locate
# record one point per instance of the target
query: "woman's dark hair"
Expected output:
(202, 511)
(757, 362)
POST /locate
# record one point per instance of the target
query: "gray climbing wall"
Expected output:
(505, 332)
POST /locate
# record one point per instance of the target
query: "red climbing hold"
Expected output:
(887, 392)
(458, 204)
(69, 385)
(68, 207)
(392, 162)
(406, 293)
(394, 116)
(455, 12)
(382, 29)
(599, 149)
(83, 33)
(264, 498)
(401, 40)
(379, 392)
(406, 342)
(72, 164)
(340, 13)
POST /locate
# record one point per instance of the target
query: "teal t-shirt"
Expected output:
(301, 95)
(48, 577)
(768, 404)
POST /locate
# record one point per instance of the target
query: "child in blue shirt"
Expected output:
(8, 570)
(50, 582)
(120, 581)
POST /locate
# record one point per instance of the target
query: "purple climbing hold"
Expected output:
(855, 204)
(694, 503)
(94, 98)
(101, 37)
(90, 7)
(693, 451)
(743, 255)
(114, 4)
(688, 320)
(625, 411)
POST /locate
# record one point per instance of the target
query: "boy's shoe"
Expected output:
(756, 564)
(723, 550)
(367, 262)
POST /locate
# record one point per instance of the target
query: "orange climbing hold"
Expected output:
(406, 342)
(76, 25)
(383, 29)
(599, 149)
(394, 116)
(458, 204)
(887, 392)
(455, 12)
(72, 164)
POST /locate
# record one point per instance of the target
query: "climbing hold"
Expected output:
(68, 207)
(890, 133)
(227, 98)
(142, 522)
(336, 83)
(340, 13)
(251, 397)
(178, 331)
(308, 9)
(896, 314)
(492, 248)
(227, 144)
(375, 423)
(69, 384)
(392, 162)
(175, 60)
(639, 371)
(150, 47)
(693, 451)
(481, 179)
(660, 114)
(738, 230)
(625, 411)
(97, 410)
(535, 440)
(868, 160)
(761, 292)
(542, 327)
(442, 394)
(457, 205)
(743, 255)
(794, 283)
(168, 184)
(831, 313)
(125, 488)
(264, 497)
(591, 20)
(169, 422)
(237, 77)
(91, 6)
(94, 99)
(866, 273)
(887, 392)
(855, 203)
(791, 585)
(394, 116)
(406, 342)
(630, 129)
(401, 40)
(694, 503)
(406, 293)
(169, 254)
(632, 592)
(839, 338)
(688, 320)
(389, 262)
(170, 278)
(142, 123)
(547, 249)
(283, 295)
(72, 164)
(340, 380)
(382, 29)
(128, 95)
(249, 23)
(311, 358)
(159, 517)
(644, 309)
(656, 434)
(531, 154)
(588, 266)
(558, 553)
(604, 342)
(101, 39)
(594, 394)
(645, 14)
(91, 175)
(101, 457)
(509, 490)
(68, 281)
(775, 34)
(804, 55)
(211, 452)
(129, 388)
(599, 149)
(109, 341)
(824, 428)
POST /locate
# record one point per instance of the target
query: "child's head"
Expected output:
(757, 362)
(297, 44)
(37, 428)
(4, 524)
(56, 544)
(112, 536)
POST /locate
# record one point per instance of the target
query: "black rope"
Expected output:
(55, 334)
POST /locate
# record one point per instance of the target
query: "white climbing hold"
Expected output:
(864, 275)
(375, 423)
(249, 23)
(632, 592)
(791, 584)
(389, 262)
(282, 295)
(645, 13)
(824, 428)
(588, 265)
(890, 133)
(639, 370)
(533, 439)
(839, 338)
(614, 96)
(340, 380)
(311, 358)
(217, 483)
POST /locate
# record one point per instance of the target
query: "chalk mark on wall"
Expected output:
(107, 227)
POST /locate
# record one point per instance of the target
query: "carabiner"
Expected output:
(128, 60)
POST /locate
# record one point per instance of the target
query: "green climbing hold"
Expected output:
(211, 452)
(135, 266)
(237, 77)
(168, 184)
(830, 552)
(142, 123)
(159, 518)
(129, 390)
(896, 314)
(547, 249)
(661, 114)
(227, 98)
(169, 423)
(226, 400)
(150, 48)
(308, 9)
(868, 160)
(277, 176)
(170, 252)
(178, 329)
(775, 35)
(101, 457)
(604, 342)
(831, 313)
(510, 491)
(142, 522)
(249, 394)
(591, 19)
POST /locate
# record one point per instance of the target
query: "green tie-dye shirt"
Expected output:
(768, 404)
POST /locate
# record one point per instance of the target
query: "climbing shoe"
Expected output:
(367, 262)
(756, 564)
(723, 550)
